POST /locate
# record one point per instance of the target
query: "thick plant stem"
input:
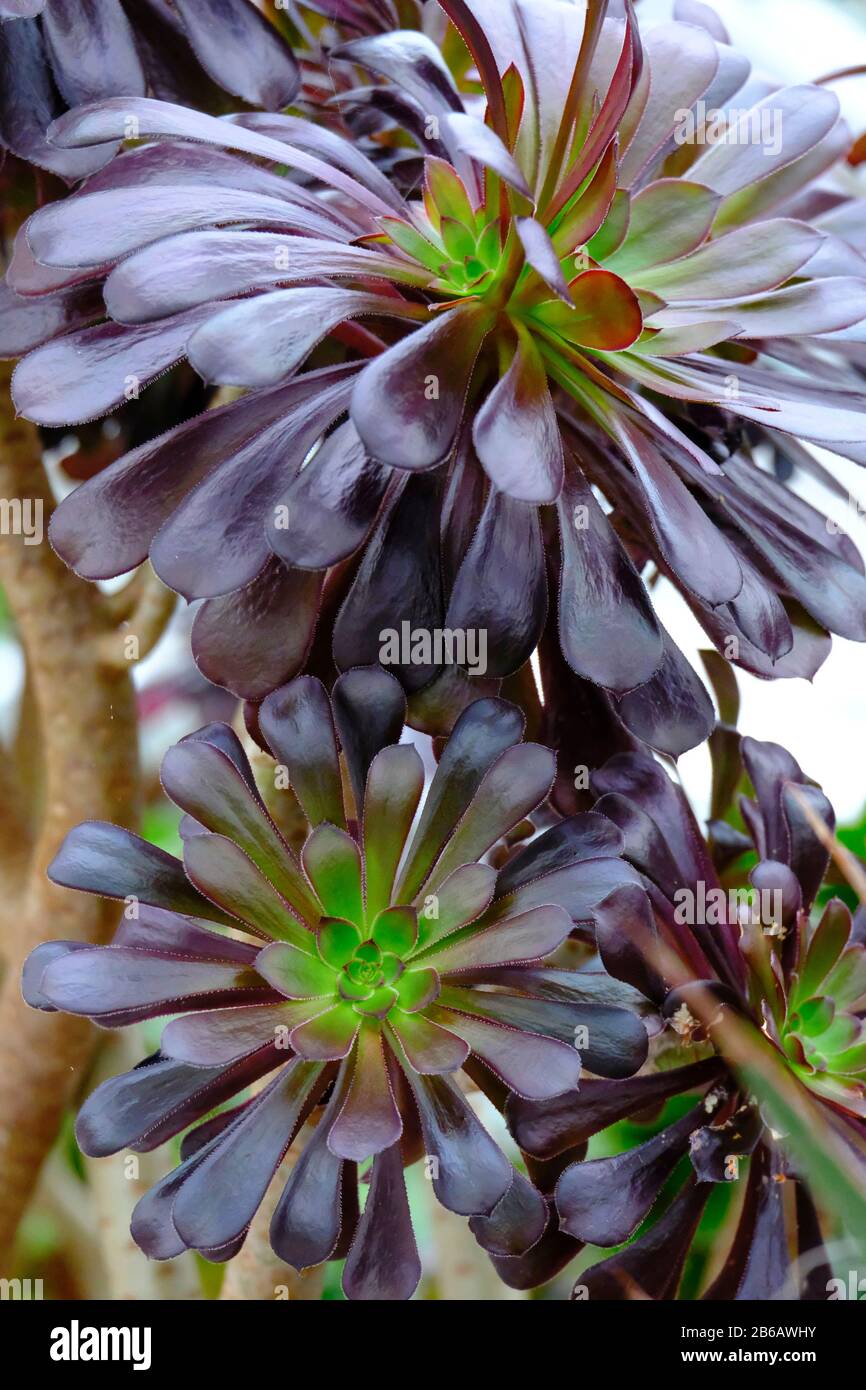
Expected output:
(88, 747)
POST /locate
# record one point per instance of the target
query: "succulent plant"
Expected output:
(742, 978)
(580, 300)
(358, 977)
(499, 312)
(56, 54)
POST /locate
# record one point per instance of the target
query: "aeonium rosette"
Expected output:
(579, 302)
(355, 981)
(762, 1004)
(205, 53)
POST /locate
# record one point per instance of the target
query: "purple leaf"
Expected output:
(608, 630)
(383, 1263)
(203, 781)
(397, 586)
(604, 1200)
(516, 433)
(86, 374)
(682, 62)
(220, 1197)
(110, 120)
(226, 1035)
(695, 549)
(802, 116)
(206, 548)
(695, 12)
(542, 255)
(241, 51)
(299, 728)
(105, 527)
(516, 784)
(369, 712)
(331, 505)
(652, 1266)
(369, 1121)
(542, 1262)
(92, 50)
(516, 1223)
(475, 139)
(429, 1049)
(482, 733)
(571, 841)
(473, 1173)
(28, 323)
(408, 403)
(29, 102)
(410, 60)
(214, 265)
(501, 586)
(112, 979)
(242, 641)
(144, 1107)
(672, 711)
(538, 1067)
(228, 877)
(264, 340)
(94, 228)
(640, 778)
(100, 858)
(745, 261)
(306, 1223)
(551, 1127)
(513, 941)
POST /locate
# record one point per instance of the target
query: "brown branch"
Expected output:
(144, 609)
(88, 743)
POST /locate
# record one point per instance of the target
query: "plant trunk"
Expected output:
(87, 743)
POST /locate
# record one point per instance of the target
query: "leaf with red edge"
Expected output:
(445, 194)
(603, 313)
(542, 256)
(669, 218)
(580, 223)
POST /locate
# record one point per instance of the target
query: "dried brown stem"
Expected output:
(88, 745)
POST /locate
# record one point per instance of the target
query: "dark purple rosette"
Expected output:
(590, 295)
(347, 985)
(757, 998)
(56, 54)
